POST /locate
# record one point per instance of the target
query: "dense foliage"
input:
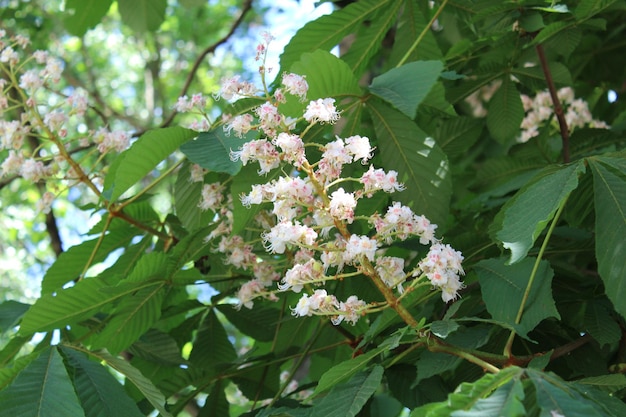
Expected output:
(430, 224)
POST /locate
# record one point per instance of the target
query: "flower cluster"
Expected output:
(310, 207)
(541, 109)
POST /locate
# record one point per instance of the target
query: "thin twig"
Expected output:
(247, 5)
(558, 109)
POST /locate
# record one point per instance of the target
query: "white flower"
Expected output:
(342, 205)
(360, 147)
(211, 197)
(322, 110)
(240, 124)
(360, 245)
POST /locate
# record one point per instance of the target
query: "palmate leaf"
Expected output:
(609, 187)
(405, 87)
(411, 23)
(211, 150)
(516, 226)
(468, 395)
(142, 157)
(349, 398)
(599, 323)
(100, 394)
(259, 323)
(421, 164)
(506, 113)
(142, 15)
(84, 14)
(369, 39)
(135, 314)
(456, 135)
(42, 389)
(345, 370)
(327, 31)
(506, 400)
(72, 262)
(73, 304)
(211, 347)
(143, 384)
(10, 312)
(503, 288)
(158, 347)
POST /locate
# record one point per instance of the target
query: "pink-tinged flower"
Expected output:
(254, 197)
(78, 101)
(376, 179)
(295, 85)
(248, 292)
(442, 266)
(53, 69)
(303, 308)
(342, 205)
(292, 147)
(40, 56)
(9, 55)
(31, 81)
(269, 118)
(234, 88)
(33, 170)
(360, 246)
(22, 41)
(285, 233)
(12, 134)
(350, 310)
(44, 204)
(258, 150)
(322, 110)
(301, 274)
(12, 164)
(196, 173)
(183, 105)
(55, 120)
(391, 271)
(198, 101)
(107, 141)
(212, 197)
(360, 147)
(240, 124)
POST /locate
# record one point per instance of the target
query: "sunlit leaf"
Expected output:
(84, 14)
(142, 15)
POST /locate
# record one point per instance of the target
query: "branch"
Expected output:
(247, 5)
(558, 110)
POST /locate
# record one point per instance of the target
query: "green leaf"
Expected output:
(517, 226)
(344, 370)
(443, 328)
(609, 186)
(405, 87)
(370, 38)
(211, 347)
(349, 398)
(143, 384)
(327, 31)
(73, 304)
(100, 394)
(159, 347)
(142, 157)
(608, 383)
(258, 323)
(216, 403)
(10, 313)
(71, 263)
(554, 395)
(142, 15)
(506, 400)
(506, 113)
(600, 324)
(503, 288)
(458, 134)
(82, 15)
(211, 150)
(134, 315)
(411, 24)
(42, 389)
(588, 8)
(187, 196)
(421, 164)
(468, 395)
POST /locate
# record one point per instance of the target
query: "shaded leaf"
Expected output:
(421, 164)
(100, 394)
(349, 398)
(600, 325)
(506, 113)
(187, 196)
(405, 87)
(10, 313)
(42, 389)
(159, 347)
(516, 226)
(609, 186)
(503, 288)
(258, 323)
(211, 347)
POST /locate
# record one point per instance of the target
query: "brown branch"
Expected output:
(247, 5)
(558, 109)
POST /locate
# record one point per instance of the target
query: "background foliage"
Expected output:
(137, 317)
